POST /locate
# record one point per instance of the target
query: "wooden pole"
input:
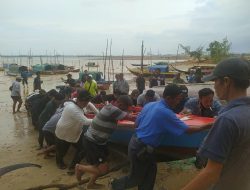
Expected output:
(142, 53)
(105, 60)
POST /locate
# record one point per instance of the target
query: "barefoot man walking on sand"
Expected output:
(16, 94)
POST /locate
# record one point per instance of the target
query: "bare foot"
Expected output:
(95, 186)
(78, 172)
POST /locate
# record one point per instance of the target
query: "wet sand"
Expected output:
(19, 143)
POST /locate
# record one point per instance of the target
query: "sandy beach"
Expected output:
(19, 143)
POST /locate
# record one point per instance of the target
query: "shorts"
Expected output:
(95, 154)
(16, 98)
(49, 138)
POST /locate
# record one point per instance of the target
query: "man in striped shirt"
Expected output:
(96, 137)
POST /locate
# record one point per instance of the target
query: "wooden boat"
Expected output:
(49, 69)
(147, 72)
(161, 63)
(138, 64)
(91, 64)
(171, 147)
(205, 69)
(15, 70)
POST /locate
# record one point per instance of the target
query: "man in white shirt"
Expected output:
(16, 95)
(69, 129)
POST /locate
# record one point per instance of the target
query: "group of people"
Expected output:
(63, 122)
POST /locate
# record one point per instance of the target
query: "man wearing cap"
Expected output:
(227, 144)
(155, 119)
(16, 94)
(91, 86)
(184, 98)
(146, 97)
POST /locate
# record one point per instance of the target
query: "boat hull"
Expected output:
(146, 73)
(171, 148)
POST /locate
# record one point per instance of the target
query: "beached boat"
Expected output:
(73, 69)
(161, 63)
(15, 70)
(97, 76)
(139, 65)
(149, 71)
(49, 69)
(171, 147)
(205, 69)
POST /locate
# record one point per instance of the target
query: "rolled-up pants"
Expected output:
(143, 168)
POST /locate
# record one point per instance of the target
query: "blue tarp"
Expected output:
(162, 68)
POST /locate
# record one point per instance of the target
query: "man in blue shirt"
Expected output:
(204, 106)
(227, 144)
(155, 119)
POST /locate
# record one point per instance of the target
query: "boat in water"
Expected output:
(91, 64)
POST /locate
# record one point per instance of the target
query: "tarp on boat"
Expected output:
(162, 68)
(47, 67)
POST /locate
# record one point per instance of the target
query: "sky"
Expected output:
(83, 27)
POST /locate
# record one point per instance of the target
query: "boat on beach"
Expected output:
(205, 69)
(138, 64)
(149, 71)
(50, 69)
(171, 147)
(15, 70)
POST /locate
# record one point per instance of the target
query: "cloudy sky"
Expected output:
(83, 26)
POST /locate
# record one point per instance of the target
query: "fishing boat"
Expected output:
(205, 69)
(161, 63)
(91, 64)
(171, 147)
(138, 64)
(15, 70)
(149, 71)
(50, 69)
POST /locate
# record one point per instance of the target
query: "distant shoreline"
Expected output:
(97, 57)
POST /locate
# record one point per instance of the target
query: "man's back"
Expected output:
(229, 142)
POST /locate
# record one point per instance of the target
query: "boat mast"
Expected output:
(105, 60)
(142, 52)
(122, 60)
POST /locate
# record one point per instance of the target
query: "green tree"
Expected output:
(219, 50)
(197, 54)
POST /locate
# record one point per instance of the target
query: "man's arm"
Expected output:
(193, 129)
(206, 178)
